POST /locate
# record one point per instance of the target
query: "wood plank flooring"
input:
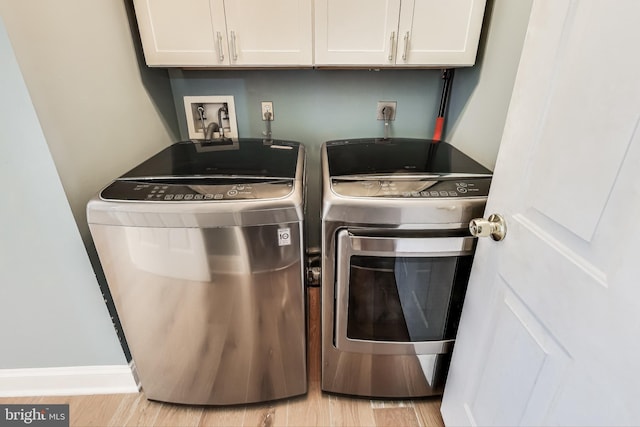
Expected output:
(314, 409)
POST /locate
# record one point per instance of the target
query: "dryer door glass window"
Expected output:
(399, 295)
(399, 299)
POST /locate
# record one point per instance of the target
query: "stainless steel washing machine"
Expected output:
(396, 258)
(202, 247)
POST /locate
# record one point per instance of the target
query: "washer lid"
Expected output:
(252, 158)
(398, 156)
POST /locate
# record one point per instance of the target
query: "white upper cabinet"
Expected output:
(269, 32)
(356, 32)
(258, 33)
(225, 33)
(429, 33)
(180, 33)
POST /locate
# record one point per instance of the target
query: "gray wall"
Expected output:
(101, 111)
(482, 93)
(313, 106)
(51, 310)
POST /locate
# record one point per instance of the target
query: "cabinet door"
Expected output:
(356, 32)
(182, 32)
(439, 32)
(269, 33)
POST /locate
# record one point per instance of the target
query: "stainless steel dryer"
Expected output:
(396, 258)
(202, 247)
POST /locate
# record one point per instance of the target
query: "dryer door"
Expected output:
(399, 295)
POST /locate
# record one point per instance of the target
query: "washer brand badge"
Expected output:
(284, 236)
(34, 415)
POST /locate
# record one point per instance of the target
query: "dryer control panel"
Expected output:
(412, 188)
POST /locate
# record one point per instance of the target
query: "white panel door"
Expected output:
(356, 32)
(550, 328)
(181, 33)
(439, 33)
(269, 32)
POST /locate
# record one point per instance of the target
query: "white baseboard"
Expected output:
(67, 381)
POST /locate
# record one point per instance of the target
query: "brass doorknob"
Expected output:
(494, 227)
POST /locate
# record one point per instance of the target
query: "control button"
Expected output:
(218, 196)
(164, 187)
(406, 194)
(240, 187)
(168, 197)
(434, 193)
(150, 196)
(156, 188)
(424, 193)
(461, 190)
(453, 193)
(188, 196)
(461, 184)
(153, 191)
(415, 194)
(198, 197)
(179, 196)
(161, 191)
(208, 196)
(232, 193)
(444, 193)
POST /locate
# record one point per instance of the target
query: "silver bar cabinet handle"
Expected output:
(233, 46)
(406, 46)
(220, 51)
(392, 42)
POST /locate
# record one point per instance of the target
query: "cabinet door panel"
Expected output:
(356, 32)
(178, 33)
(439, 32)
(269, 33)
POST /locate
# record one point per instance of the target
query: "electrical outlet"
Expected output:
(267, 107)
(204, 110)
(382, 105)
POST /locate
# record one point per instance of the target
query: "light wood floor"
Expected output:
(314, 409)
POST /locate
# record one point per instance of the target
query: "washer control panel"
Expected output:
(427, 188)
(193, 191)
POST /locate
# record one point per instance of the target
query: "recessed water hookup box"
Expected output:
(214, 113)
